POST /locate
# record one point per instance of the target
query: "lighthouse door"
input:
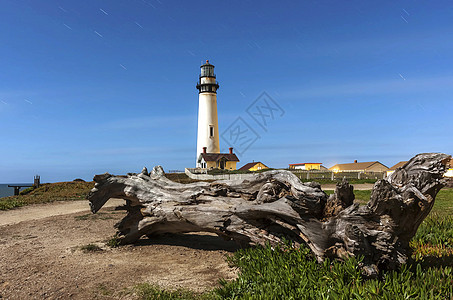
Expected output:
(222, 163)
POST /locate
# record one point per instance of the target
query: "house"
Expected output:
(306, 166)
(449, 172)
(222, 161)
(253, 166)
(372, 166)
(392, 169)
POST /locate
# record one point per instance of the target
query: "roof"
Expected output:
(400, 164)
(355, 166)
(218, 156)
(250, 165)
(302, 164)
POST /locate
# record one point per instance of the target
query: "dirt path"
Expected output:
(41, 256)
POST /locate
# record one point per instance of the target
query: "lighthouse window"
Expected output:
(211, 131)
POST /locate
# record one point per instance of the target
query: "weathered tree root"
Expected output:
(275, 204)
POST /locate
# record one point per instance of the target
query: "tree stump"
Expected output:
(276, 205)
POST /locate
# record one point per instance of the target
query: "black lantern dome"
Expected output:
(207, 82)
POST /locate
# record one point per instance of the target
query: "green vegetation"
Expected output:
(48, 192)
(90, 248)
(97, 216)
(361, 196)
(225, 171)
(27, 191)
(6, 203)
(114, 242)
(443, 204)
(328, 181)
(181, 178)
(288, 273)
(149, 291)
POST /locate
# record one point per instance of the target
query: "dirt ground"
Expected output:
(41, 256)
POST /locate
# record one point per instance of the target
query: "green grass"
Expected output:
(181, 178)
(90, 248)
(361, 196)
(328, 181)
(150, 291)
(97, 216)
(443, 205)
(288, 273)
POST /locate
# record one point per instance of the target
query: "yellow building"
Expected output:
(222, 161)
(372, 166)
(449, 172)
(393, 169)
(253, 166)
(306, 166)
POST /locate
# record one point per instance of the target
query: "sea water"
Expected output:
(6, 191)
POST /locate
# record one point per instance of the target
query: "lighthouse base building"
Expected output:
(224, 161)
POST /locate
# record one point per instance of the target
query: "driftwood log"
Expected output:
(276, 205)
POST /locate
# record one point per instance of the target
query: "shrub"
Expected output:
(114, 242)
(90, 248)
(10, 202)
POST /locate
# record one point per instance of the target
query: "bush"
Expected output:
(27, 191)
(10, 202)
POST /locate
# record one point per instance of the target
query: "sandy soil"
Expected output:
(40, 256)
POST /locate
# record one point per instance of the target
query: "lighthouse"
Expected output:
(208, 126)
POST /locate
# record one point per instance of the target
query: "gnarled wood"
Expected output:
(275, 204)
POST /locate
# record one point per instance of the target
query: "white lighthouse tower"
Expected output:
(208, 125)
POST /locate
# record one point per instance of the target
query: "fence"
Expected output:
(202, 174)
(329, 175)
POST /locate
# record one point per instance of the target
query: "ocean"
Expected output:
(6, 191)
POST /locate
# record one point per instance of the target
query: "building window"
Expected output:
(211, 131)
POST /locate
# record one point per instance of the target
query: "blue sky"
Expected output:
(88, 87)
